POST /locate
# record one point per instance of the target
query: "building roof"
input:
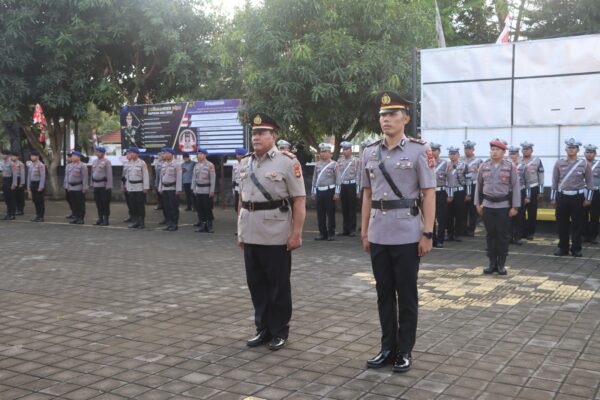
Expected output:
(114, 138)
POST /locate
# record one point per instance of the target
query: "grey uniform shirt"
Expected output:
(535, 174)
(522, 175)
(326, 175)
(170, 177)
(76, 177)
(204, 177)
(281, 176)
(497, 180)
(596, 174)
(441, 174)
(19, 167)
(102, 175)
(8, 171)
(350, 171)
(456, 176)
(410, 164)
(36, 173)
(235, 177)
(571, 175)
(473, 164)
(136, 174)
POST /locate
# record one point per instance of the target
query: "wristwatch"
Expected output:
(428, 235)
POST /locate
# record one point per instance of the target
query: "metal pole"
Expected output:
(413, 109)
(222, 183)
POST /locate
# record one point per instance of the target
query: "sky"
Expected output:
(228, 6)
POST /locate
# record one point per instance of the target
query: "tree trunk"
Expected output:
(519, 20)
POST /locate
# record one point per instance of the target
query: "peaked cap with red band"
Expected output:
(263, 121)
(392, 102)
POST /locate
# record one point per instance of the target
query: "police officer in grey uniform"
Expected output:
(76, 182)
(592, 213)
(170, 188)
(21, 183)
(157, 167)
(9, 183)
(397, 170)
(535, 188)
(326, 190)
(441, 196)
(36, 184)
(203, 184)
(497, 197)
(124, 186)
(102, 182)
(517, 222)
(137, 184)
(284, 145)
(572, 186)
(350, 172)
(272, 212)
(457, 181)
(472, 164)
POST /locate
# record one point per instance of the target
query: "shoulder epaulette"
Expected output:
(287, 153)
(415, 140)
(247, 155)
(374, 143)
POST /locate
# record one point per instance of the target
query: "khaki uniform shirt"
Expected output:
(136, 175)
(235, 177)
(170, 177)
(102, 175)
(497, 180)
(410, 164)
(326, 176)
(36, 173)
(535, 173)
(76, 177)
(281, 176)
(204, 175)
(570, 176)
(350, 171)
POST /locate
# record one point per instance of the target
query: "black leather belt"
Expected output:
(265, 205)
(203, 184)
(169, 184)
(497, 199)
(100, 180)
(75, 183)
(384, 205)
(136, 181)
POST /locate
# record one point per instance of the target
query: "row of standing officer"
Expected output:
(16, 178)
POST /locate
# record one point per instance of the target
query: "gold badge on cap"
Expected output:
(257, 120)
(386, 99)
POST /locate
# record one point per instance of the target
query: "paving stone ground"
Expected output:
(107, 313)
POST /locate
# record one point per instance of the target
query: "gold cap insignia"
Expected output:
(257, 120)
(385, 99)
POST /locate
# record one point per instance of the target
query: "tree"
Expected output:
(316, 65)
(468, 22)
(554, 18)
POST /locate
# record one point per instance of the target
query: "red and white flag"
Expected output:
(185, 121)
(38, 115)
(505, 34)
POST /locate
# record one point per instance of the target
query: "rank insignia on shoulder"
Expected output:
(374, 143)
(415, 140)
(297, 170)
(248, 155)
(287, 153)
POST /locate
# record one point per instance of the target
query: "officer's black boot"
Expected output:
(136, 223)
(203, 227)
(492, 267)
(209, 227)
(501, 268)
(141, 223)
(99, 220)
(128, 219)
(105, 221)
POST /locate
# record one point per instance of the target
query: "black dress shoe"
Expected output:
(197, 224)
(384, 357)
(69, 216)
(577, 253)
(98, 221)
(330, 238)
(501, 270)
(517, 242)
(490, 269)
(262, 336)
(352, 234)
(277, 343)
(158, 208)
(439, 245)
(128, 219)
(593, 241)
(560, 252)
(320, 238)
(19, 213)
(172, 228)
(402, 363)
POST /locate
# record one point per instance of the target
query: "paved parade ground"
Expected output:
(109, 313)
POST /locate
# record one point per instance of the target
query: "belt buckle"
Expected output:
(250, 206)
(381, 206)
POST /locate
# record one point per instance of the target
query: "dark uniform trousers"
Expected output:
(326, 212)
(69, 201)
(470, 215)
(531, 210)
(38, 199)
(189, 195)
(128, 202)
(441, 216)
(102, 198)
(137, 202)
(9, 196)
(396, 268)
(497, 224)
(236, 201)
(590, 217)
(204, 207)
(268, 270)
(348, 199)
(456, 214)
(20, 197)
(77, 203)
(517, 223)
(170, 207)
(569, 214)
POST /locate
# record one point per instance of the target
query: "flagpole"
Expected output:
(439, 29)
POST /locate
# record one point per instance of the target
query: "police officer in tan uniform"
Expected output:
(441, 196)
(397, 227)
(572, 190)
(76, 182)
(457, 182)
(517, 223)
(534, 171)
(497, 198)
(272, 212)
(350, 173)
(9, 183)
(473, 163)
(592, 213)
(36, 184)
(137, 184)
(203, 184)
(102, 182)
(170, 185)
(326, 190)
